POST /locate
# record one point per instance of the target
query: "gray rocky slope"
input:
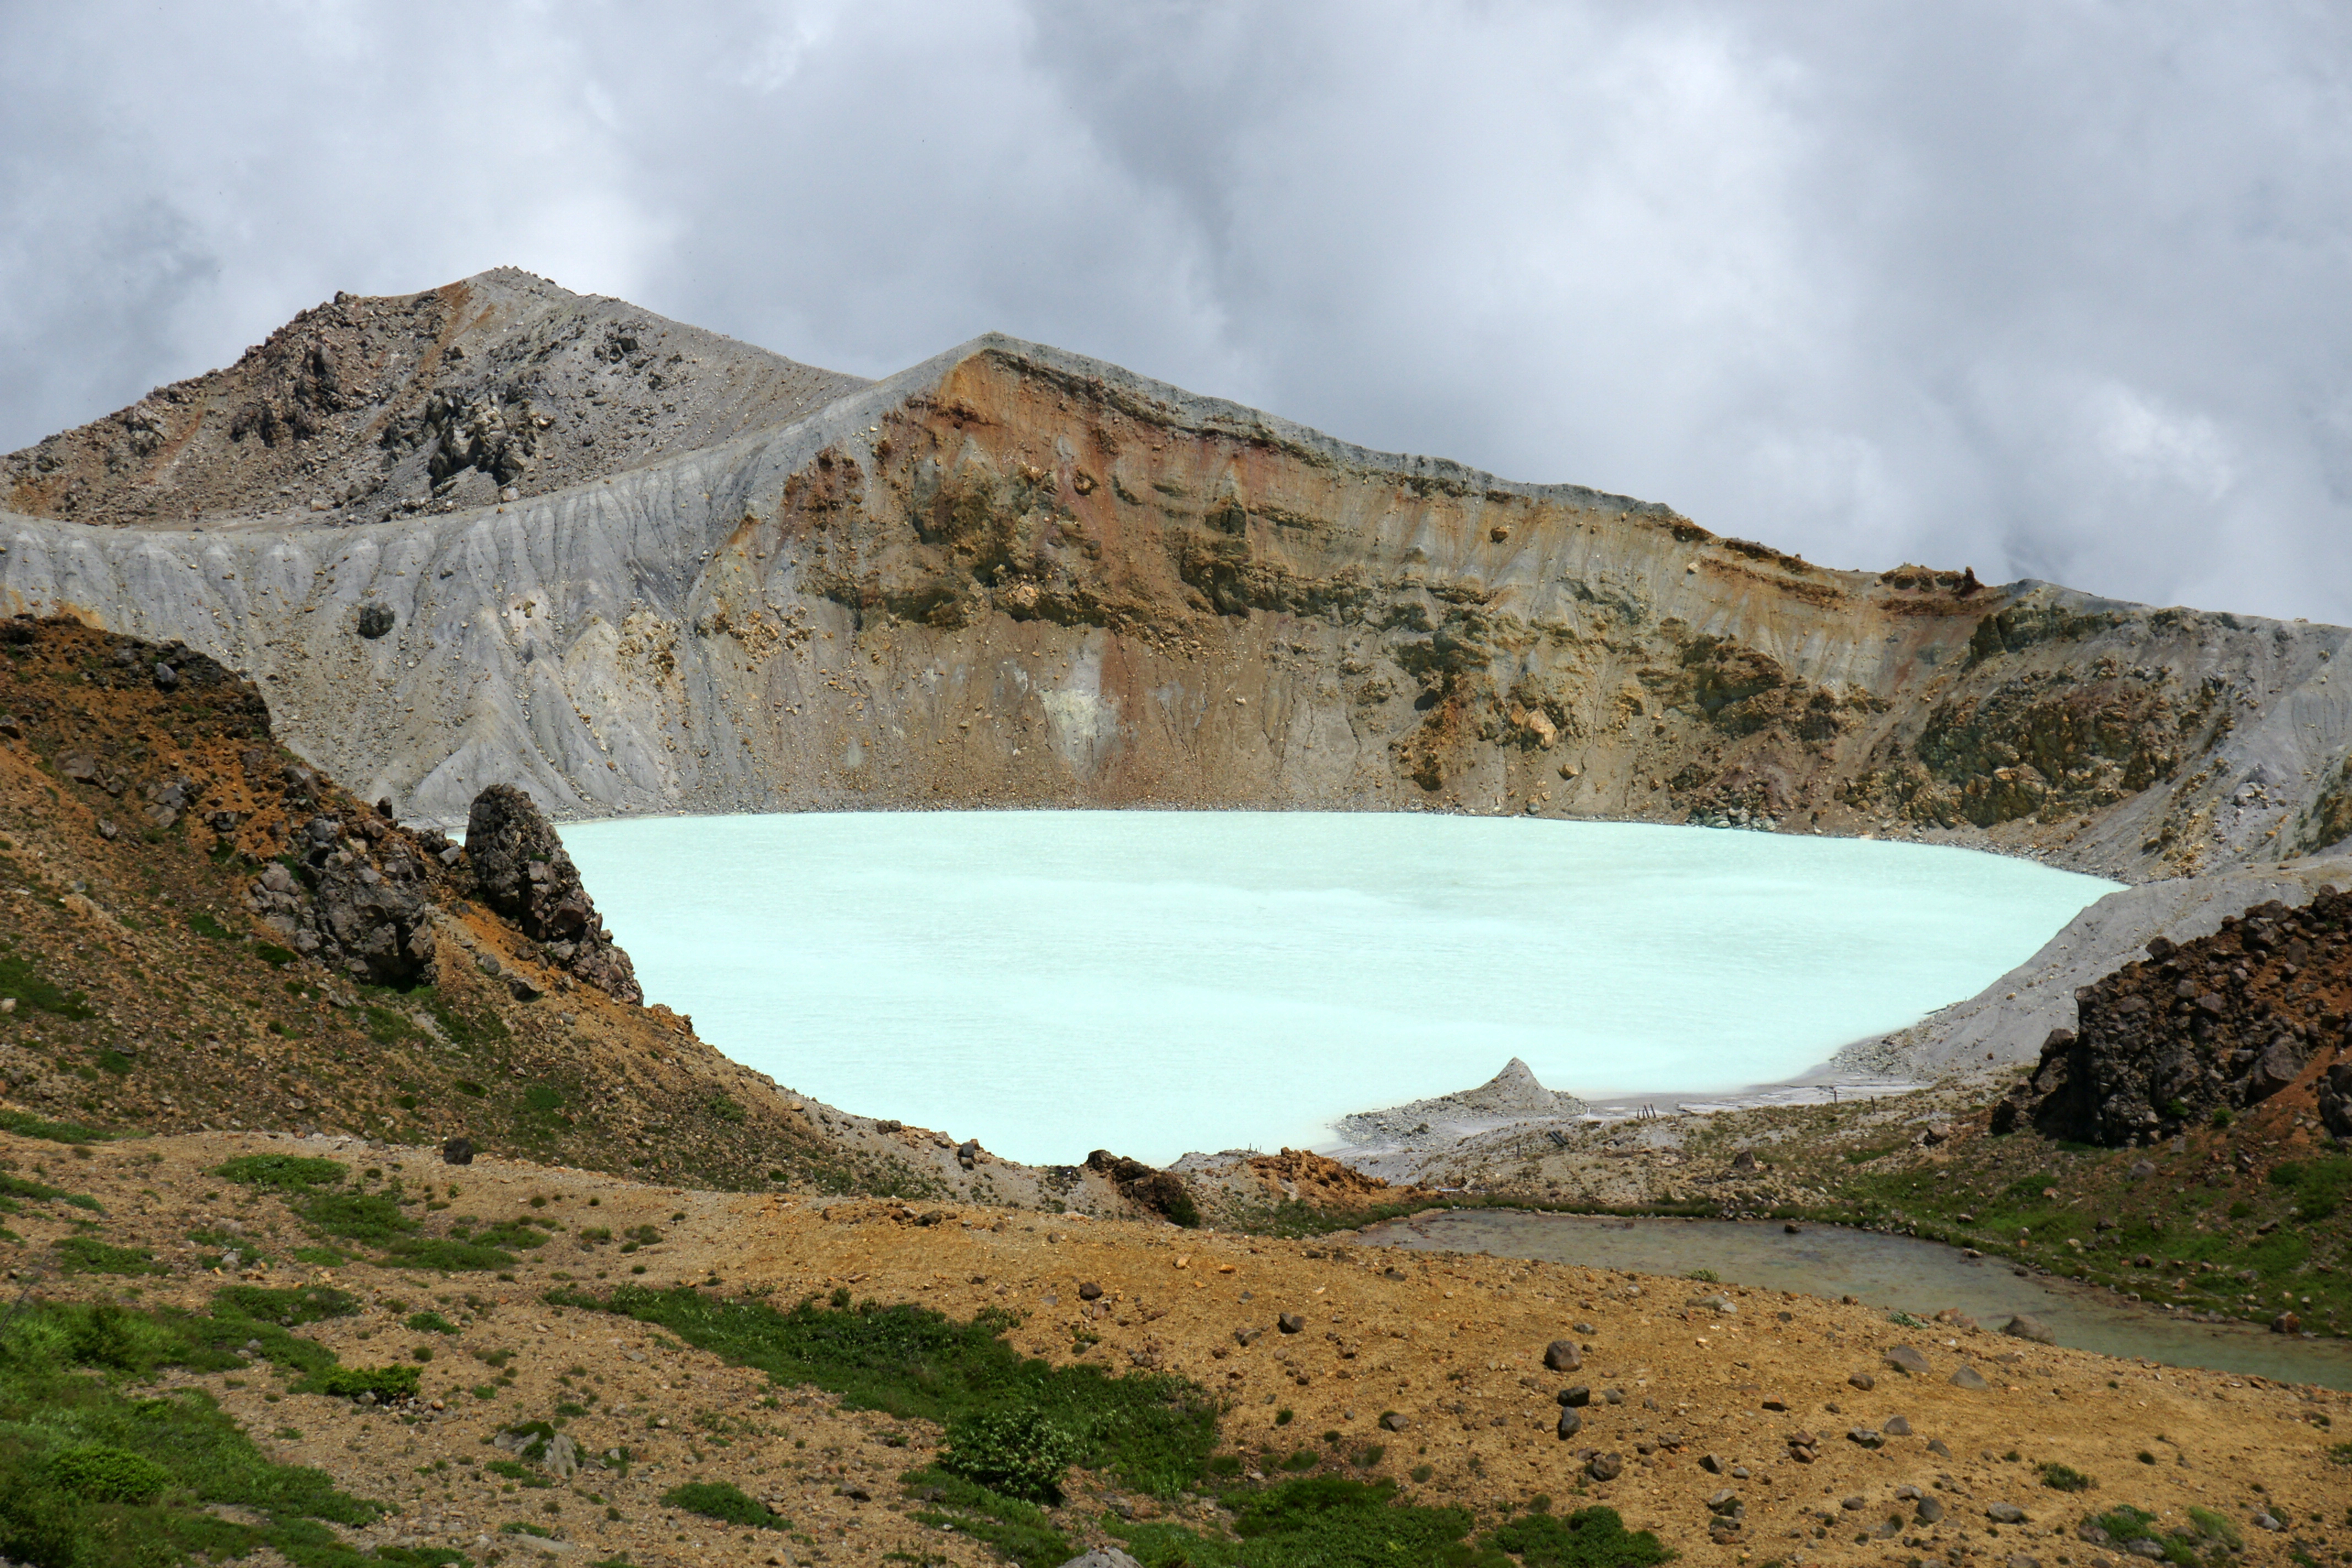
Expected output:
(1013, 576)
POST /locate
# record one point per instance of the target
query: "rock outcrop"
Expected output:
(2202, 1029)
(521, 870)
(364, 912)
(1159, 1192)
(1012, 575)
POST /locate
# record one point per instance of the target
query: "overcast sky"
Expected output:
(2052, 289)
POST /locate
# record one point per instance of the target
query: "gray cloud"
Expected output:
(2049, 289)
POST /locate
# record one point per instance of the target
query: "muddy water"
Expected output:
(1890, 1271)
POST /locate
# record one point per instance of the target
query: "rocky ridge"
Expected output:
(1014, 576)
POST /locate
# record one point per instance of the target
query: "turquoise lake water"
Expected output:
(1155, 981)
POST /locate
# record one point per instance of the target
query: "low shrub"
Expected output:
(726, 1502)
(110, 1475)
(1019, 1453)
(386, 1383)
(2064, 1478)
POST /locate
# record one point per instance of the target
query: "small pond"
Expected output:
(1895, 1272)
(1156, 981)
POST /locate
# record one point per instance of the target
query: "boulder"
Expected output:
(1969, 1378)
(375, 928)
(2279, 1064)
(1561, 1355)
(1906, 1359)
(1605, 1466)
(1571, 1424)
(520, 870)
(458, 1151)
(2026, 1326)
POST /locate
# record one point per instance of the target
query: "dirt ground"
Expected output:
(1449, 1349)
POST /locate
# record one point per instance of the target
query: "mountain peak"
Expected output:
(501, 385)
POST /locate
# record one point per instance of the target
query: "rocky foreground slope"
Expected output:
(1011, 576)
(664, 1377)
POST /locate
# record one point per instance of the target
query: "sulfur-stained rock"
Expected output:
(520, 870)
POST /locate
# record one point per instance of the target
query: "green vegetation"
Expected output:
(1022, 1532)
(1323, 1521)
(431, 1322)
(17, 980)
(88, 1255)
(2064, 1478)
(95, 1476)
(1018, 1453)
(313, 1190)
(36, 1192)
(2126, 1524)
(1014, 1425)
(25, 1124)
(386, 1383)
(723, 1501)
(1153, 1431)
(289, 1307)
(2214, 1227)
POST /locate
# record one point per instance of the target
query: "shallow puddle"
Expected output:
(1897, 1273)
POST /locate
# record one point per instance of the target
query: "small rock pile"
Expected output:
(2219, 1023)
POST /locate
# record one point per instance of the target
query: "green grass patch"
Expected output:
(431, 1322)
(281, 1172)
(204, 924)
(385, 1026)
(312, 1190)
(386, 1383)
(2064, 1478)
(1155, 1432)
(462, 1027)
(25, 1124)
(2216, 1526)
(289, 1307)
(88, 1255)
(39, 1193)
(2125, 1524)
(17, 980)
(1020, 1530)
(514, 1470)
(95, 1475)
(1329, 1522)
(726, 1502)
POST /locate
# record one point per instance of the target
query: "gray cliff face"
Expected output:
(1013, 576)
